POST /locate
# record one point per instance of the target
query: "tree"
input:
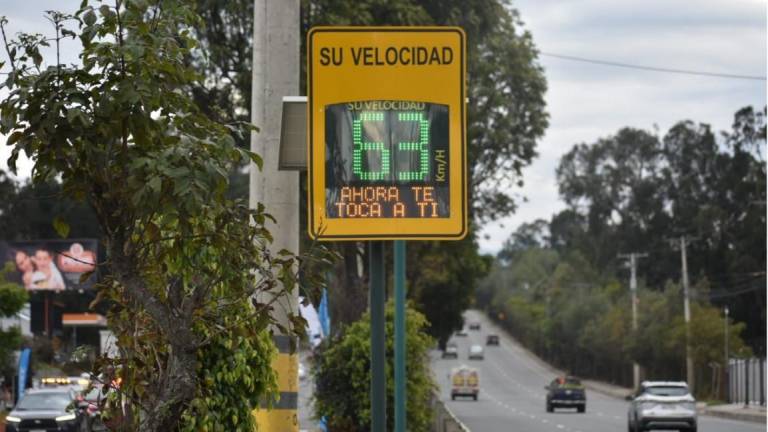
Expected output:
(13, 297)
(441, 282)
(122, 132)
(27, 208)
(342, 375)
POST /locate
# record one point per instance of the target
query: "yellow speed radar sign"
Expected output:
(386, 121)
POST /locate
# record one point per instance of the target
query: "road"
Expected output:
(512, 393)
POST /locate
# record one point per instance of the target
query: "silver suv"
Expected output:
(662, 405)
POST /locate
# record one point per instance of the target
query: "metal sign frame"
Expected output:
(443, 84)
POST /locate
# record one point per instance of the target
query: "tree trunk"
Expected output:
(175, 386)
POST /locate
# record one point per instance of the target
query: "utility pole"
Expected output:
(276, 74)
(687, 310)
(633, 257)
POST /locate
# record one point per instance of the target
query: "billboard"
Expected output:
(45, 265)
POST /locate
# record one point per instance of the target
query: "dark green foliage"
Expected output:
(26, 211)
(441, 280)
(636, 192)
(342, 375)
(12, 299)
(580, 321)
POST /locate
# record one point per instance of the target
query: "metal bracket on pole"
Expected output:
(378, 338)
(400, 348)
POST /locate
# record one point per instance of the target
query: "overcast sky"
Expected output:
(587, 101)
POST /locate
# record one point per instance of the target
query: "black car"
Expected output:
(492, 339)
(474, 325)
(566, 392)
(46, 410)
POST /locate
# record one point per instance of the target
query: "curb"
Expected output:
(754, 417)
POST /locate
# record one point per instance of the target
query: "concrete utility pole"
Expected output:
(687, 310)
(276, 74)
(633, 257)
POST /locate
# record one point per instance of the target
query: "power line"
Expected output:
(652, 68)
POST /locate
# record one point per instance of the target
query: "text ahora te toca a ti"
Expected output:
(384, 201)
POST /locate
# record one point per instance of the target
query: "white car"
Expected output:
(476, 352)
(302, 371)
(662, 405)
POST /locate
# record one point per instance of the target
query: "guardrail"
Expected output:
(444, 420)
(746, 381)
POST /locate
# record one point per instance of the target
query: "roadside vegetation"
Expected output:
(342, 375)
(121, 133)
(561, 288)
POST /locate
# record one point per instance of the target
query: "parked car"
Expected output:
(450, 351)
(492, 339)
(476, 352)
(474, 325)
(662, 405)
(465, 381)
(46, 409)
(566, 392)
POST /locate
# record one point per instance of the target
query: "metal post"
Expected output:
(727, 361)
(761, 365)
(377, 297)
(400, 376)
(746, 381)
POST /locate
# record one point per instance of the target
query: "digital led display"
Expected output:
(387, 159)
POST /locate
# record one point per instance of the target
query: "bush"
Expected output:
(342, 375)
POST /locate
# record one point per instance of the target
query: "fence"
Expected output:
(746, 381)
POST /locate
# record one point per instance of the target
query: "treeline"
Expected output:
(561, 287)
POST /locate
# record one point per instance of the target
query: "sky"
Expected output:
(587, 101)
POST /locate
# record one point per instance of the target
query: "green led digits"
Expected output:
(422, 146)
(361, 146)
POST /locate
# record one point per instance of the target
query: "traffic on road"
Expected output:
(511, 395)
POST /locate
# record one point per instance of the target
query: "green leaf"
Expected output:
(89, 18)
(61, 227)
(14, 137)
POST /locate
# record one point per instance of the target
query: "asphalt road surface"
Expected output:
(512, 393)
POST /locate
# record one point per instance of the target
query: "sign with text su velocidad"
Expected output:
(387, 147)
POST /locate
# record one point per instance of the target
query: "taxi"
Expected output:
(465, 381)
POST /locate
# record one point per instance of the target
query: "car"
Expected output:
(492, 339)
(474, 325)
(566, 392)
(46, 410)
(462, 332)
(302, 371)
(662, 405)
(450, 351)
(465, 381)
(476, 352)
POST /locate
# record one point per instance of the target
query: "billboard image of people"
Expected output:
(51, 264)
